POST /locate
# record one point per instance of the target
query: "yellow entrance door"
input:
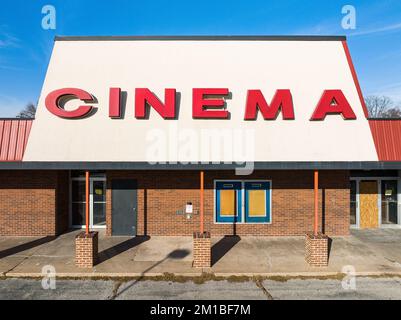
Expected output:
(368, 208)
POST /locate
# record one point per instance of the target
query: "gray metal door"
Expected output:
(123, 207)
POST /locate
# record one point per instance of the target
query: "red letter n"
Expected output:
(281, 100)
(144, 97)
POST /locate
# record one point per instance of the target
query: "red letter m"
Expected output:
(281, 100)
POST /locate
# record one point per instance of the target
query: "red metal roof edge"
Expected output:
(387, 138)
(14, 135)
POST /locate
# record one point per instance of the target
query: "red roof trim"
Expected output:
(14, 135)
(355, 77)
(387, 138)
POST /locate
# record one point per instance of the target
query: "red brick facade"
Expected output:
(33, 203)
(202, 250)
(317, 249)
(162, 193)
(86, 249)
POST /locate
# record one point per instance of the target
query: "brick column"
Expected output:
(317, 249)
(86, 249)
(202, 250)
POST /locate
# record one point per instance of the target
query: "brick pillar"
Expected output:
(202, 250)
(317, 249)
(86, 249)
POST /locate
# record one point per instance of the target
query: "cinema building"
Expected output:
(238, 135)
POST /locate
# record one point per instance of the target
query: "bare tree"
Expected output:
(28, 112)
(378, 106)
(394, 113)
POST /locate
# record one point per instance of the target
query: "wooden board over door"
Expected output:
(368, 208)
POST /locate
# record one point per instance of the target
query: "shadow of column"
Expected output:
(121, 247)
(224, 245)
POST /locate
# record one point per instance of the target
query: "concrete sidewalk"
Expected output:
(370, 252)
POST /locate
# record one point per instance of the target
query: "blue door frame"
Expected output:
(256, 185)
(229, 185)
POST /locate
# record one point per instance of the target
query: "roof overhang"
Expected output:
(361, 165)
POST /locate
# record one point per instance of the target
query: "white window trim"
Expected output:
(242, 201)
(91, 225)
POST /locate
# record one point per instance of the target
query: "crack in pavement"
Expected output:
(26, 257)
(117, 285)
(259, 284)
(394, 262)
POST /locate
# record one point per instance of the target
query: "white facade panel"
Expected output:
(307, 68)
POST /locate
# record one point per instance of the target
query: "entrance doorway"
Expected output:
(389, 206)
(374, 202)
(124, 207)
(368, 204)
(97, 202)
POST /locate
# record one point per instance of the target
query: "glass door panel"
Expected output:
(389, 202)
(353, 202)
(78, 203)
(99, 202)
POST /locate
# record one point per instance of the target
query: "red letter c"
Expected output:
(53, 99)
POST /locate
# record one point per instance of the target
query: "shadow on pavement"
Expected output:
(25, 246)
(220, 248)
(121, 247)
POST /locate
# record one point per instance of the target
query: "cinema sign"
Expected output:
(207, 103)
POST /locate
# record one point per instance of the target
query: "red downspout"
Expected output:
(202, 229)
(87, 201)
(316, 187)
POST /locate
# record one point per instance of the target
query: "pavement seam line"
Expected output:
(117, 285)
(19, 263)
(259, 284)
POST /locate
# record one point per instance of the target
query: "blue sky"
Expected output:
(25, 47)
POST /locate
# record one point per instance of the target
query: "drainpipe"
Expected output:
(316, 187)
(87, 201)
(202, 227)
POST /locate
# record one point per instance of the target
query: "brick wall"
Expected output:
(202, 253)
(86, 249)
(33, 203)
(162, 193)
(316, 249)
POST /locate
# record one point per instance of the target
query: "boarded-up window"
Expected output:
(257, 203)
(228, 203)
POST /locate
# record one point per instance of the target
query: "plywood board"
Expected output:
(369, 210)
(227, 203)
(257, 203)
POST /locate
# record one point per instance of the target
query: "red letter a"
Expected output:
(333, 102)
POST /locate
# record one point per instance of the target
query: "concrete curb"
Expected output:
(98, 275)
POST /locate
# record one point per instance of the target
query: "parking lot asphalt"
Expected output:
(298, 289)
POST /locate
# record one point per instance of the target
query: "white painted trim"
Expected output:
(399, 201)
(379, 201)
(91, 180)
